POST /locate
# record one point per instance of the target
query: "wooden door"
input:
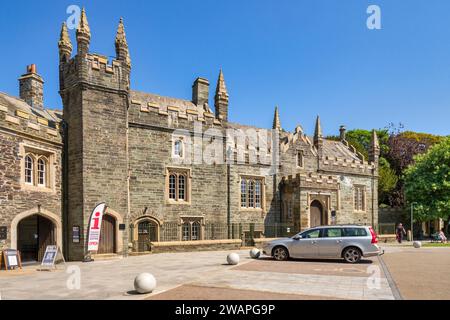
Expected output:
(107, 242)
(315, 214)
(46, 232)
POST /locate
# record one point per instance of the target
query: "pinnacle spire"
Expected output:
(64, 39)
(221, 89)
(318, 129)
(122, 52)
(276, 120)
(121, 39)
(83, 25)
(375, 142)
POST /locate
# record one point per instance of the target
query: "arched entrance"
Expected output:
(147, 232)
(34, 234)
(316, 214)
(107, 243)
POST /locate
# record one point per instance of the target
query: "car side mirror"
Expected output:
(297, 238)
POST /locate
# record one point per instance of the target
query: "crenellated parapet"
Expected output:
(150, 109)
(311, 180)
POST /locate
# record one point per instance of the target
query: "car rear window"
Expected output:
(354, 232)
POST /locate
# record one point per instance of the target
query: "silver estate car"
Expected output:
(348, 242)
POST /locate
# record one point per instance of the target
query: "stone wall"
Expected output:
(15, 196)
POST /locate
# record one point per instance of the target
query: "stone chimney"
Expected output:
(200, 91)
(342, 132)
(31, 88)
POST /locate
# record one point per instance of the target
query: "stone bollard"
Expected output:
(233, 258)
(417, 244)
(144, 283)
(255, 253)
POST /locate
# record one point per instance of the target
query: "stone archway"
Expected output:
(118, 238)
(55, 219)
(146, 229)
(315, 214)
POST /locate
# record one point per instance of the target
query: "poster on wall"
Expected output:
(95, 225)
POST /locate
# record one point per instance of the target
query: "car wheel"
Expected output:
(352, 255)
(280, 253)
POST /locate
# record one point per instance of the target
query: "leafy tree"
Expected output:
(427, 183)
(387, 182)
(402, 148)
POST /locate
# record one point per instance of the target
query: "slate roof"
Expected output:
(163, 102)
(14, 103)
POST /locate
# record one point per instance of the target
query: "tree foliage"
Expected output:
(427, 182)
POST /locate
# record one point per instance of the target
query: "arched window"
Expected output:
(186, 231)
(42, 171)
(195, 234)
(243, 193)
(177, 185)
(29, 169)
(178, 148)
(181, 187)
(172, 186)
(252, 193)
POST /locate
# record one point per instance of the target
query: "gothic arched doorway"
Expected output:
(147, 232)
(316, 214)
(107, 243)
(34, 234)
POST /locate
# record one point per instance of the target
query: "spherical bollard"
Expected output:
(233, 258)
(144, 283)
(255, 253)
(417, 244)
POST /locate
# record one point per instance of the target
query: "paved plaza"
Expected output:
(403, 272)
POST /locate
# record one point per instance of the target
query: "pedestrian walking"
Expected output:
(400, 232)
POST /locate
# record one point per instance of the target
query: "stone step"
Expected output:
(106, 256)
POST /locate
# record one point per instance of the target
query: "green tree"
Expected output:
(387, 181)
(427, 182)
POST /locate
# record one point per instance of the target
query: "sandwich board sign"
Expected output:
(95, 226)
(51, 256)
(12, 259)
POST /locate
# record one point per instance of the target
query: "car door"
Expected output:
(306, 245)
(331, 242)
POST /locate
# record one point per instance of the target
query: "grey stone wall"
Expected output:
(14, 198)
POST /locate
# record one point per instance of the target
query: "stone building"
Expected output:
(170, 170)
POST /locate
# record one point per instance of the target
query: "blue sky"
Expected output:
(308, 57)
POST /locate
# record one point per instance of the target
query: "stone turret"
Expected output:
(122, 52)
(64, 44)
(83, 35)
(221, 99)
(276, 120)
(96, 94)
(318, 137)
(31, 88)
